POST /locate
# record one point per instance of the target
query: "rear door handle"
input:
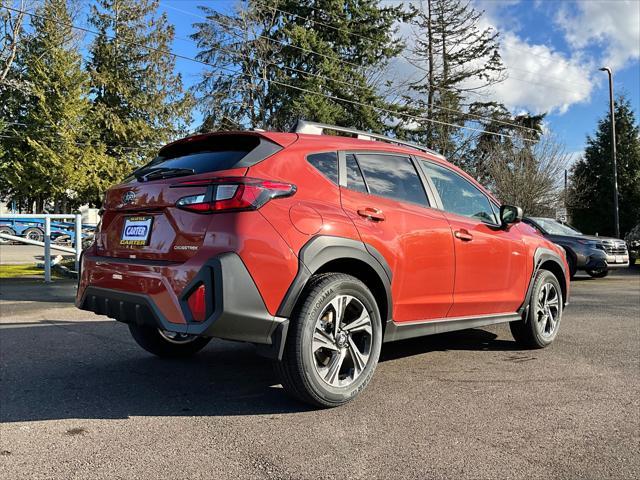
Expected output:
(371, 213)
(463, 235)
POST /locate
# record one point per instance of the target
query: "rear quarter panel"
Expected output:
(314, 209)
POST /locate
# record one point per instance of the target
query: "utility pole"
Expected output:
(613, 152)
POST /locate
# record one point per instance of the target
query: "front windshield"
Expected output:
(555, 228)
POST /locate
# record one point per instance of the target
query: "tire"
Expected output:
(160, 343)
(34, 234)
(6, 231)
(319, 367)
(598, 273)
(538, 329)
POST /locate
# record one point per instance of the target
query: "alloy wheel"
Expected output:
(548, 310)
(177, 338)
(342, 340)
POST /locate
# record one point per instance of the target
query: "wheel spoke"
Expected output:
(339, 305)
(361, 323)
(335, 365)
(359, 360)
(542, 321)
(322, 339)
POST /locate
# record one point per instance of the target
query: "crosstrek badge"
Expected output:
(136, 231)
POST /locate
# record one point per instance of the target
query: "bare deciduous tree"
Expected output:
(529, 175)
(10, 32)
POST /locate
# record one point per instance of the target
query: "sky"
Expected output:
(552, 50)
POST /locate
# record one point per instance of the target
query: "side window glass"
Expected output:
(326, 163)
(458, 195)
(392, 176)
(355, 181)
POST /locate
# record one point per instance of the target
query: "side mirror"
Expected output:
(510, 215)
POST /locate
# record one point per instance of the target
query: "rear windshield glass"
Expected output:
(202, 162)
(556, 228)
(211, 154)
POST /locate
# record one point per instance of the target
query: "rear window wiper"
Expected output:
(157, 173)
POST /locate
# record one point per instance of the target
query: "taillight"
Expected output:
(233, 194)
(198, 304)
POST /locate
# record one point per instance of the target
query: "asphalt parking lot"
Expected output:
(78, 399)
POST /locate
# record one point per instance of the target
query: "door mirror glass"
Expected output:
(510, 214)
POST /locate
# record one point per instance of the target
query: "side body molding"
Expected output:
(322, 249)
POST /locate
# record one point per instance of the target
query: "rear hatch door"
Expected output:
(140, 219)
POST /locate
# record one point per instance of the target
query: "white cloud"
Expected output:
(540, 78)
(612, 25)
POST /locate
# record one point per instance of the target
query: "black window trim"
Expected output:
(306, 158)
(342, 174)
(346, 175)
(440, 205)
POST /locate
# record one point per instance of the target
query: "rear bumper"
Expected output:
(235, 309)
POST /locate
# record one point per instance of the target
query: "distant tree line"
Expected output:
(79, 110)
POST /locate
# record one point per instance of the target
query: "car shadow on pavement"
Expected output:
(472, 339)
(94, 370)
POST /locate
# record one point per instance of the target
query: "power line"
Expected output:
(317, 22)
(275, 40)
(329, 79)
(468, 114)
(286, 85)
(195, 15)
(89, 144)
(355, 34)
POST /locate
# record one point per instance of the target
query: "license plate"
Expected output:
(136, 231)
(621, 259)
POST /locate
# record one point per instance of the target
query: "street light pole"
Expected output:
(613, 151)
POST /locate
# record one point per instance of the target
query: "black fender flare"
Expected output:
(541, 256)
(323, 249)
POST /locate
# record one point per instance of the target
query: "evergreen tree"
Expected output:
(47, 149)
(236, 43)
(592, 175)
(456, 57)
(138, 100)
(11, 88)
(352, 41)
(288, 59)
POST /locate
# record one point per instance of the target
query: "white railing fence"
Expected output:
(77, 250)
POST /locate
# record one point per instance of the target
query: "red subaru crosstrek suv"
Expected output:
(318, 249)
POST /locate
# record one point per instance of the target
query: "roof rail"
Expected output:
(314, 128)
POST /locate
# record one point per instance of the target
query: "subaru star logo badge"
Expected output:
(129, 197)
